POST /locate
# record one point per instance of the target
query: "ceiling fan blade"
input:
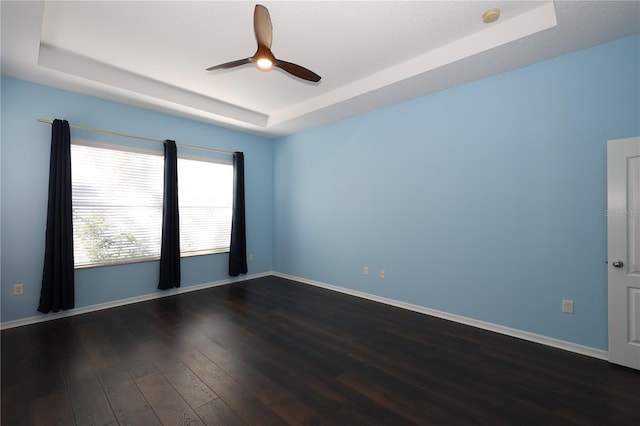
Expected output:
(263, 57)
(262, 26)
(231, 64)
(298, 71)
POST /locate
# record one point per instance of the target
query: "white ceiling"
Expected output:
(370, 54)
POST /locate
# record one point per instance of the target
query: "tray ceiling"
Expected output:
(370, 54)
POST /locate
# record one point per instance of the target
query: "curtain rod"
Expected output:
(109, 132)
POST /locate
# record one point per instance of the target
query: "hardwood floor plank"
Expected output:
(349, 416)
(128, 404)
(53, 410)
(138, 364)
(44, 374)
(413, 407)
(272, 352)
(284, 403)
(14, 362)
(278, 364)
(96, 338)
(217, 412)
(360, 403)
(16, 404)
(89, 402)
(275, 361)
(279, 367)
(247, 406)
(185, 381)
(165, 401)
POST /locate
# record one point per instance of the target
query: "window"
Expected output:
(205, 197)
(117, 204)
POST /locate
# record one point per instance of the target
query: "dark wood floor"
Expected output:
(273, 352)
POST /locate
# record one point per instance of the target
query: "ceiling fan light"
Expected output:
(264, 63)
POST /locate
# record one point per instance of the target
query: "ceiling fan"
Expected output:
(263, 57)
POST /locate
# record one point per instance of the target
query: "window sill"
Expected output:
(150, 259)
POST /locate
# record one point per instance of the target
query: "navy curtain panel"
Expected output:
(238, 251)
(57, 291)
(170, 248)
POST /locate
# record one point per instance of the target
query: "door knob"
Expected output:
(618, 264)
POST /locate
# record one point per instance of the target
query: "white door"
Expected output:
(623, 227)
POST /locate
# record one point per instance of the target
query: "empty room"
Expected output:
(320, 212)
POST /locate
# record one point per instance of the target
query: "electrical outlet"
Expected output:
(250, 258)
(18, 289)
(365, 270)
(567, 306)
(383, 273)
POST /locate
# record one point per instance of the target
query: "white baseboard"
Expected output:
(525, 335)
(100, 306)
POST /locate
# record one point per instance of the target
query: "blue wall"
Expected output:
(25, 164)
(486, 200)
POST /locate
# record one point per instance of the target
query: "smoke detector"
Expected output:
(491, 15)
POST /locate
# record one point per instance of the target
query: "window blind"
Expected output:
(117, 205)
(205, 195)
